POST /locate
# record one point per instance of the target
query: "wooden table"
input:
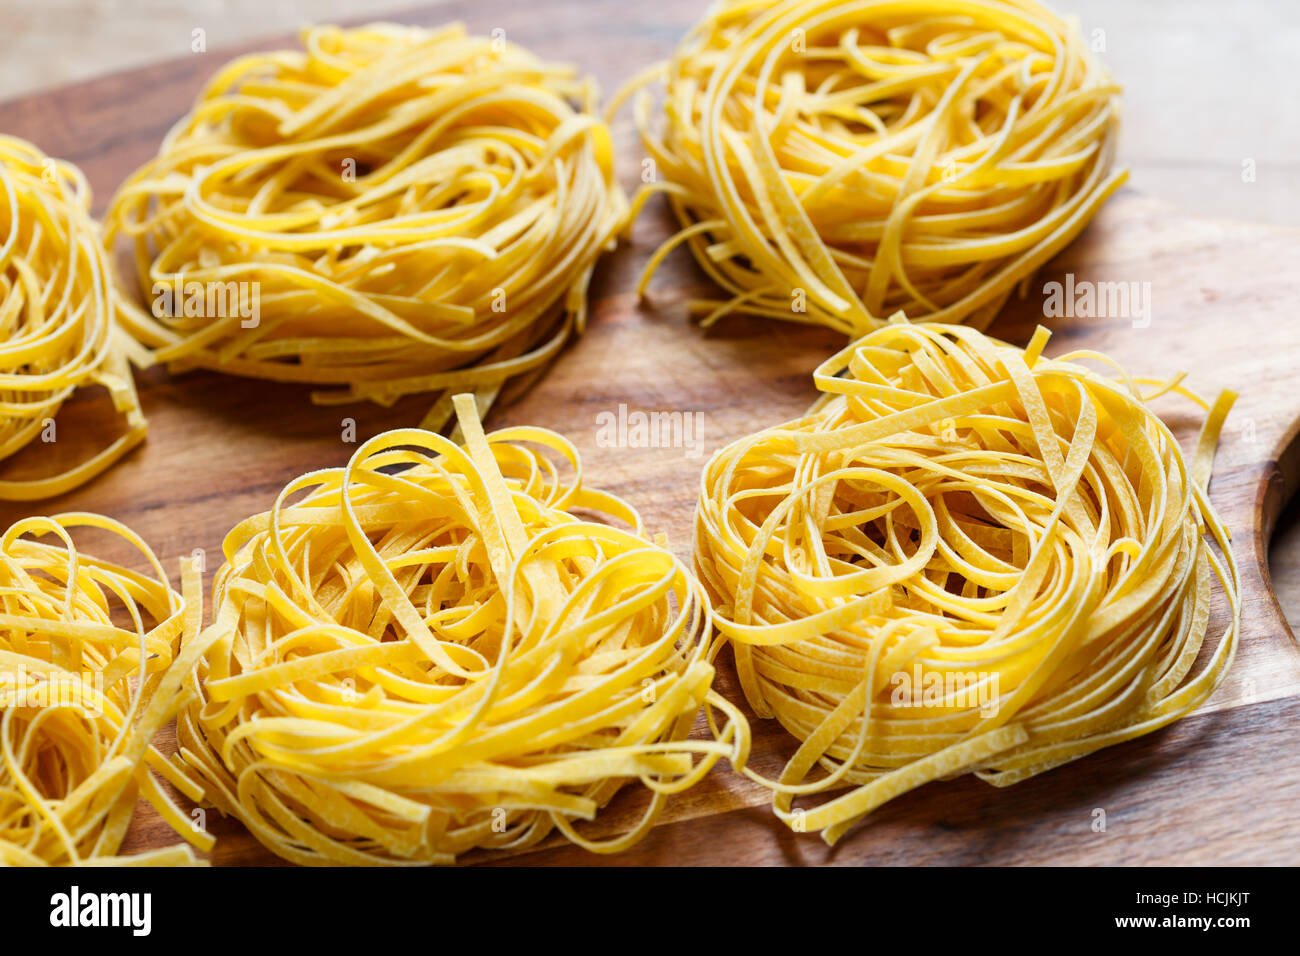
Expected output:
(1222, 786)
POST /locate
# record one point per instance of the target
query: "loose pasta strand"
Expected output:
(835, 161)
(405, 210)
(966, 558)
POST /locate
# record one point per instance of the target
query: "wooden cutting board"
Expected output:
(1222, 786)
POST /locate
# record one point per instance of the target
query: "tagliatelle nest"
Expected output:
(89, 673)
(965, 558)
(56, 315)
(431, 652)
(835, 161)
(404, 210)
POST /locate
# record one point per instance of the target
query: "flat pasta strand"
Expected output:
(835, 161)
(89, 673)
(56, 315)
(430, 651)
(966, 558)
(409, 210)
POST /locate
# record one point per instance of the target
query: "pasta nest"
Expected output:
(433, 651)
(391, 209)
(965, 558)
(56, 315)
(89, 673)
(834, 161)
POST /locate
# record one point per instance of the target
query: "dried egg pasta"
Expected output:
(834, 161)
(966, 558)
(89, 673)
(56, 315)
(396, 210)
(429, 651)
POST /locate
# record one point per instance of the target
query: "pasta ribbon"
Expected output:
(89, 673)
(56, 315)
(391, 209)
(431, 650)
(965, 558)
(834, 161)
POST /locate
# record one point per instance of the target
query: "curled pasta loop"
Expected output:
(404, 210)
(56, 315)
(89, 673)
(834, 161)
(965, 558)
(438, 648)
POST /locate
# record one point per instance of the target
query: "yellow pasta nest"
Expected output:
(432, 651)
(390, 209)
(965, 558)
(56, 314)
(835, 161)
(88, 675)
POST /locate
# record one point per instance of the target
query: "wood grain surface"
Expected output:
(1222, 786)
